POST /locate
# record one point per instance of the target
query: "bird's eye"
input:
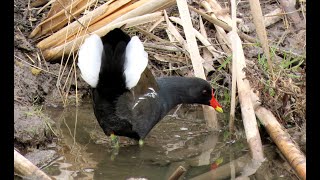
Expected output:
(204, 91)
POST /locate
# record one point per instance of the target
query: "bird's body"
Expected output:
(127, 99)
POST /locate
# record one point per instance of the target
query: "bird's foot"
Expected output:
(115, 146)
(114, 141)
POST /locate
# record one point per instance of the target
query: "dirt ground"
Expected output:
(34, 89)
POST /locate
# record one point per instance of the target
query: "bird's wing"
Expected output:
(141, 105)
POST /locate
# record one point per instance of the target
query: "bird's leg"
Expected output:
(141, 142)
(114, 140)
(114, 153)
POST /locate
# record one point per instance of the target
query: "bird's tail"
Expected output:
(89, 61)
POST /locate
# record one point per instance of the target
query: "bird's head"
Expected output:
(201, 92)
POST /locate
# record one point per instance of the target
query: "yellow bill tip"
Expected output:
(219, 109)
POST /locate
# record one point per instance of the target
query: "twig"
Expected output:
(156, 24)
(151, 35)
(168, 59)
(178, 68)
(217, 54)
(76, 81)
(212, 19)
(162, 47)
(45, 6)
(34, 66)
(29, 58)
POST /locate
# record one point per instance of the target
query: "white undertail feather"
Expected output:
(89, 60)
(135, 63)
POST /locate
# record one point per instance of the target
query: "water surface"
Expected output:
(181, 139)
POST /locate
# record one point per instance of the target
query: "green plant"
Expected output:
(224, 64)
(262, 62)
(269, 89)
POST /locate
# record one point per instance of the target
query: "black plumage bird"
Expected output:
(127, 99)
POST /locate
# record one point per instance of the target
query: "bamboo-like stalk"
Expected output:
(261, 30)
(24, 167)
(244, 91)
(71, 46)
(193, 50)
(150, 6)
(284, 142)
(90, 18)
(234, 68)
(60, 19)
(127, 8)
(39, 3)
(191, 42)
(247, 111)
(141, 11)
(177, 173)
(209, 114)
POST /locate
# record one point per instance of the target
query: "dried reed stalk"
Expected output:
(61, 18)
(54, 53)
(196, 59)
(59, 37)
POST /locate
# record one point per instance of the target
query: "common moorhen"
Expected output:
(127, 99)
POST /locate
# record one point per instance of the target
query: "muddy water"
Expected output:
(179, 139)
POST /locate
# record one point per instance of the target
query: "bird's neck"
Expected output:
(173, 92)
